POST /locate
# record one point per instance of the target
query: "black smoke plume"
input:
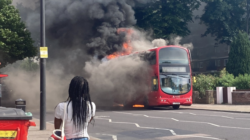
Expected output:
(76, 31)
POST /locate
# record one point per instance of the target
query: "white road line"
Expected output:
(170, 130)
(192, 113)
(174, 119)
(190, 136)
(240, 113)
(137, 125)
(184, 120)
(217, 116)
(114, 137)
(173, 112)
(102, 116)
(242, 119)
(200, 114)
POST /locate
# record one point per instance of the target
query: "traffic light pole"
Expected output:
(42, 69)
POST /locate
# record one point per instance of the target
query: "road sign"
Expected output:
(43, 52)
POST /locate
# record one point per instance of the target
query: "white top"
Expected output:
(69, 128)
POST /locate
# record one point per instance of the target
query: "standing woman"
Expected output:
(80, 110)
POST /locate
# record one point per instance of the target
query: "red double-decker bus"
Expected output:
(171, 78)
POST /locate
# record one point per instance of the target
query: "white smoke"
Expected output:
(159, 42)
(26, 85)
(117, 80)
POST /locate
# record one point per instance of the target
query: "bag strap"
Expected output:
(64, 116)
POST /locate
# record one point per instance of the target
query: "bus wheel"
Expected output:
(176, 106)
(146, 104)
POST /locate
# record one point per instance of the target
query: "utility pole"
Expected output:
(247, 17)
(42, 68)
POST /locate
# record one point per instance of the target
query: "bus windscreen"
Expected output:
(173, 55)
(175, 84)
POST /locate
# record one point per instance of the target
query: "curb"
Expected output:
(232, 111)
(216, 109)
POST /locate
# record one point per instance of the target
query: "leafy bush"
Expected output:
(203, 83)
(225, 79)
(242, 82)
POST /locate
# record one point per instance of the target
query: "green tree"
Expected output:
(239, 60)
(166, 17)
(15, 40)
(224, 18)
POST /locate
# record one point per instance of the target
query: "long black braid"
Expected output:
(79, 96)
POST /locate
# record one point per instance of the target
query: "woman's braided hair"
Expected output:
(79, 96)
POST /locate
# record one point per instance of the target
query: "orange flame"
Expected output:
(127, 49)
(138, 106)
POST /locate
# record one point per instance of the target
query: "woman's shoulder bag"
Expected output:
(57, 133)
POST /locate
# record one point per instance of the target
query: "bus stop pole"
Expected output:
(42, 69)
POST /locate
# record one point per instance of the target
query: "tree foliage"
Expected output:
(166, 17)
(242, 81)
(239, 60)
(224, 18)
(15, 41)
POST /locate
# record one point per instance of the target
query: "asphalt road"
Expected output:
(167, 124)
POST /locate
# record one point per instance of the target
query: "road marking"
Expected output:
(114, 137)
(137, 125)
(242, 119)
(102, 116)
(188, 136)
(241, 113)
(192, 113)
(174, 119)
(170, 130)
(217, 116)
(199, 114)
(216, 125)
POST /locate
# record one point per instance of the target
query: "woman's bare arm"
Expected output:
(57, 123)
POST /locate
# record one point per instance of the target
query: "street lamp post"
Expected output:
(42, 69)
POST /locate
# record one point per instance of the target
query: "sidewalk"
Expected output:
(35, 133)
(220, 107)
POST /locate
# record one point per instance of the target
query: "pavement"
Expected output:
(35, 134)
(220, 107)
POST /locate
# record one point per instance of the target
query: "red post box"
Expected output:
(14, 124)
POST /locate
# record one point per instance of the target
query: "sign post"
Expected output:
(43, 56)
(0, 94)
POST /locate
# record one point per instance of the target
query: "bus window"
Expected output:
(173, 55)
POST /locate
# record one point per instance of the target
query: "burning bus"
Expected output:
(169, 80)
